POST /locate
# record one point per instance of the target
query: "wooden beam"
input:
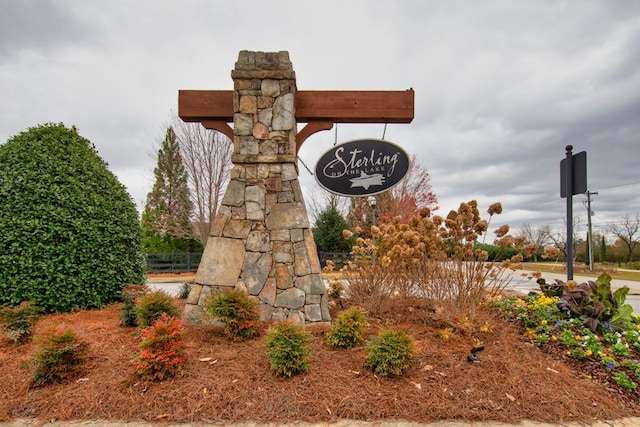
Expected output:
(310, 129)
(220, 126)
(355, 106)
(201, 105)
(312, 105)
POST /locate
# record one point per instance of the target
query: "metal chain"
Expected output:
(305, 166)
(384, 131)
(335, 139)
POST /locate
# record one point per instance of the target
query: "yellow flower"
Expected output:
(578, 337)
(588, 352)
(554, 338)
(444, 333)
(486, 327)
(543, 322)
(530, 333)
(542, 301)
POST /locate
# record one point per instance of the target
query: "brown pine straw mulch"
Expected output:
(514, 381)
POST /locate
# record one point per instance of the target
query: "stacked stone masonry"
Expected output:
(261, 241)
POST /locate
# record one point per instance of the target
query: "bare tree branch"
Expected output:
(627, 232)
(539, 236)
(207, 158)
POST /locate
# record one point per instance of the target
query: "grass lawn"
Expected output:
(582, 270)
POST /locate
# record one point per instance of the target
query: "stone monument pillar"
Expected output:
(260, 240)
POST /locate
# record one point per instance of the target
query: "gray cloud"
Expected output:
(39, 27)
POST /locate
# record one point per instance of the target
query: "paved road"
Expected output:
(171, 288)
(518, 282)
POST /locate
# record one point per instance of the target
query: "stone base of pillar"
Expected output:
(261, 243)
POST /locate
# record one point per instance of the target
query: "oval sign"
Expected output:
(362, 167)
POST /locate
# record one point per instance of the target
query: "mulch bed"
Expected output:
(514, 381)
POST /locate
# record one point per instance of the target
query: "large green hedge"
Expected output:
(69, 232)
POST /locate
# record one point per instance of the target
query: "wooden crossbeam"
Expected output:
(311, 105)
(355, 106)
(202, 105)
(319, 109)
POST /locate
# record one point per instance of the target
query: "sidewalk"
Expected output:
(169, 283)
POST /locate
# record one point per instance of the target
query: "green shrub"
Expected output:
(128, 315)
(348, 328)
(18, 322)
(635, 265)
(237, 311)
(496, 253)
(69, 232)
(60, 357)
(288, 348)
(390, 352)
(185, 290)
(150, 307)
(161, 351)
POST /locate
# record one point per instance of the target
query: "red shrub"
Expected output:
(161, 350)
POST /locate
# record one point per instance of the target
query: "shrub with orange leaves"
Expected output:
(161, 351)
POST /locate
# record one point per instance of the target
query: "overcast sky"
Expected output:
(501, 87)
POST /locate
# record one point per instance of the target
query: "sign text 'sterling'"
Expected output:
(362, 167)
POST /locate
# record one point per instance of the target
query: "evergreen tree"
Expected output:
(328, 231)
(166, 219)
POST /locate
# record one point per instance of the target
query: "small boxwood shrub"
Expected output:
(237, 311)
(185, 290)
(18, 322)
(150, 307)
(161, 351)
(390, 352)
(348, 329)
(129, 296)
(60, 357)
(288, 348)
